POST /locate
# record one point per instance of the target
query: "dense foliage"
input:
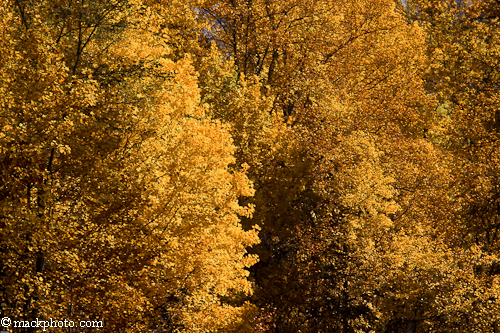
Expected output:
(251, 165)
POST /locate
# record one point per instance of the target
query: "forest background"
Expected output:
(251, 165)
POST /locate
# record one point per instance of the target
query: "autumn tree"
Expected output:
(119, 195)
(460, 72)
(347, 166)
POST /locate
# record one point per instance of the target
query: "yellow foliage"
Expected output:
(119, 193)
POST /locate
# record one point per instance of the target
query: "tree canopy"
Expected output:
(251, 165)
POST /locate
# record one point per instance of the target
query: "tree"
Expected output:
(337, 184)
(461, 72)
(119, 197)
